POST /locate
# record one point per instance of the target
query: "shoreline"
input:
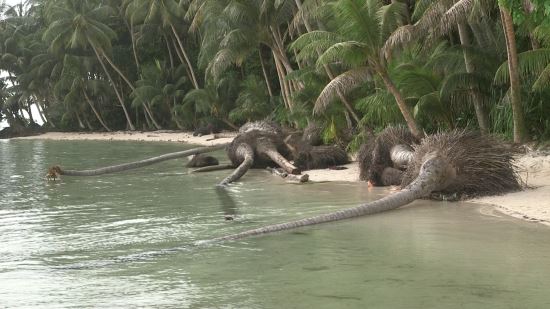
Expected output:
(531, 204)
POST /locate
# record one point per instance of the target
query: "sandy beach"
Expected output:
(532, 204)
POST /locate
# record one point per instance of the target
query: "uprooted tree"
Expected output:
(453, 163)
(458, 162)
(258, 144)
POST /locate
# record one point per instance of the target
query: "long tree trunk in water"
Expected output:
(481, 114)
(246, 154)
(520, 131)
(433, 175)
(141, 163)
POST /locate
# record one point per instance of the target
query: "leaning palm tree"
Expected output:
(357, 44)
(437, 18)
(78, 24)
(520, 131)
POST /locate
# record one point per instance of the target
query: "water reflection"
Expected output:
(229, 207)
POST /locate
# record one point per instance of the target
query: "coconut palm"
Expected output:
(362, 29)
(165, 14)
(79, 25)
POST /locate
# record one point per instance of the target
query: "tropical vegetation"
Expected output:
(349, 65)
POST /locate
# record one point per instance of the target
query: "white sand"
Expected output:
(531, 204)
(150, 136)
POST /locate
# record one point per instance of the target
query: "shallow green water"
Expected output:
(123, 240)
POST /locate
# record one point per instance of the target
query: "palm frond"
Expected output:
(342, 83)
(530, 63)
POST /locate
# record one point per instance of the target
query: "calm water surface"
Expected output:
(122, 240)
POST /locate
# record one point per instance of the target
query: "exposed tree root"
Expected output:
(245, 154)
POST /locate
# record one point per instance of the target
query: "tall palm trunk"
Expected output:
(96, 113)
(99, 58)
(481, 114)
(405, 110)
(264, 71)
(520, 131)
(184, 53)
(141, 163)
(80, 123)
(432, 176)
(150, 113)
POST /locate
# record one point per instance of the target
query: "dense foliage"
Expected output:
(349, 65)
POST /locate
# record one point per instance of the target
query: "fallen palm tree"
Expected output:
(55, 171)
(318, 157)
(259, 144)
(455, 162)
(382, 158)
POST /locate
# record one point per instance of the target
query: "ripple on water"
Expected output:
(126, 240)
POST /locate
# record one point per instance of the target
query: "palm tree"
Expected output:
(520, 131)
(357, 44)
(166, 14)
(79, 24)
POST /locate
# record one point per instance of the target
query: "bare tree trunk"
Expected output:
(141, 163)
(482, 117)
(80, 123)
(40, 113)
(265, 73)
(128, 119)
(182, 60)
(193, 78)
(405, 110)
(97, 115)
(520, 131)
(284, 87)
(88, 124)
(148, 111)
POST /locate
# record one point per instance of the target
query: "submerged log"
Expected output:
(445, 162)
(132, 165)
